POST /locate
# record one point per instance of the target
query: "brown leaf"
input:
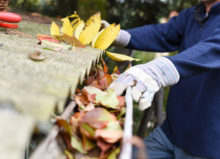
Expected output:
(74, 121)
(105, 81)
(95, 83)
(104, 146)
(72, 41)
(121, 100)
(97, 118)
(36, 56)
(112, 133)
(69, 155)
(87, 144)
(100, 74)
(64, 125)
(86, 130)
(114, 154)
(105, 67)
(76, 143)
(81, 98)
(108, 100)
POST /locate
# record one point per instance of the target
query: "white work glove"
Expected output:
(146, 80)
(123, 37)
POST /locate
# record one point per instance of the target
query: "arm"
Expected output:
(160, 38)
(202, 57)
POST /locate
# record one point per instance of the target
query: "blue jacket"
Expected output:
(193, 109)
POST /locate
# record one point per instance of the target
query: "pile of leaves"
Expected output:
(77, 33)
(96, 128)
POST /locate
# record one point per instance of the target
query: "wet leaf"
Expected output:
(120, 57)
(112, 133)
(110, 100)
(104, 146)
(114, 154)
(121, 100)
(87, 131)
(82, 98)
(94, 90)
(122, 113)
(36, 56)
(63, 124)
(97, 118)
(88, 144)
(105, 81)
(89, 107)
(74, 121)
(105, 67)
(76, 143)
(69, 155)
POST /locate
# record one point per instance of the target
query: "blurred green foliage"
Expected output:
(129, 13)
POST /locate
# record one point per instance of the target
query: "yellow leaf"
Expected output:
(120, 57)
(91, 29)
(75, 15)
(78, 28)
(94, 40)
(67, 27)
(55, 30)
(115, 69)
(106, 37)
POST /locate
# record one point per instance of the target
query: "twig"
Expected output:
(49, 148)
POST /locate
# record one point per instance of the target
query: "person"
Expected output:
(192, 126)
(173, 13)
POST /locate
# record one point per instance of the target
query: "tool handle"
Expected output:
(9, 17)
(6, 25)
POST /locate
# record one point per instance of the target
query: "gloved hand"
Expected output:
(123, 37)
(146, 80)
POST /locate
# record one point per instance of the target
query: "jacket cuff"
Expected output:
(165, 71)
(123, 38)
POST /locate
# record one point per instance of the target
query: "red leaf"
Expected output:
(97, 118)
(121, 100)
(47, 38)
(104, 146)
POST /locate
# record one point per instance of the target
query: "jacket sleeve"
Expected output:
(159, 38)
(203, 56)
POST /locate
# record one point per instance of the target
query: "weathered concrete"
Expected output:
(38, 89)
